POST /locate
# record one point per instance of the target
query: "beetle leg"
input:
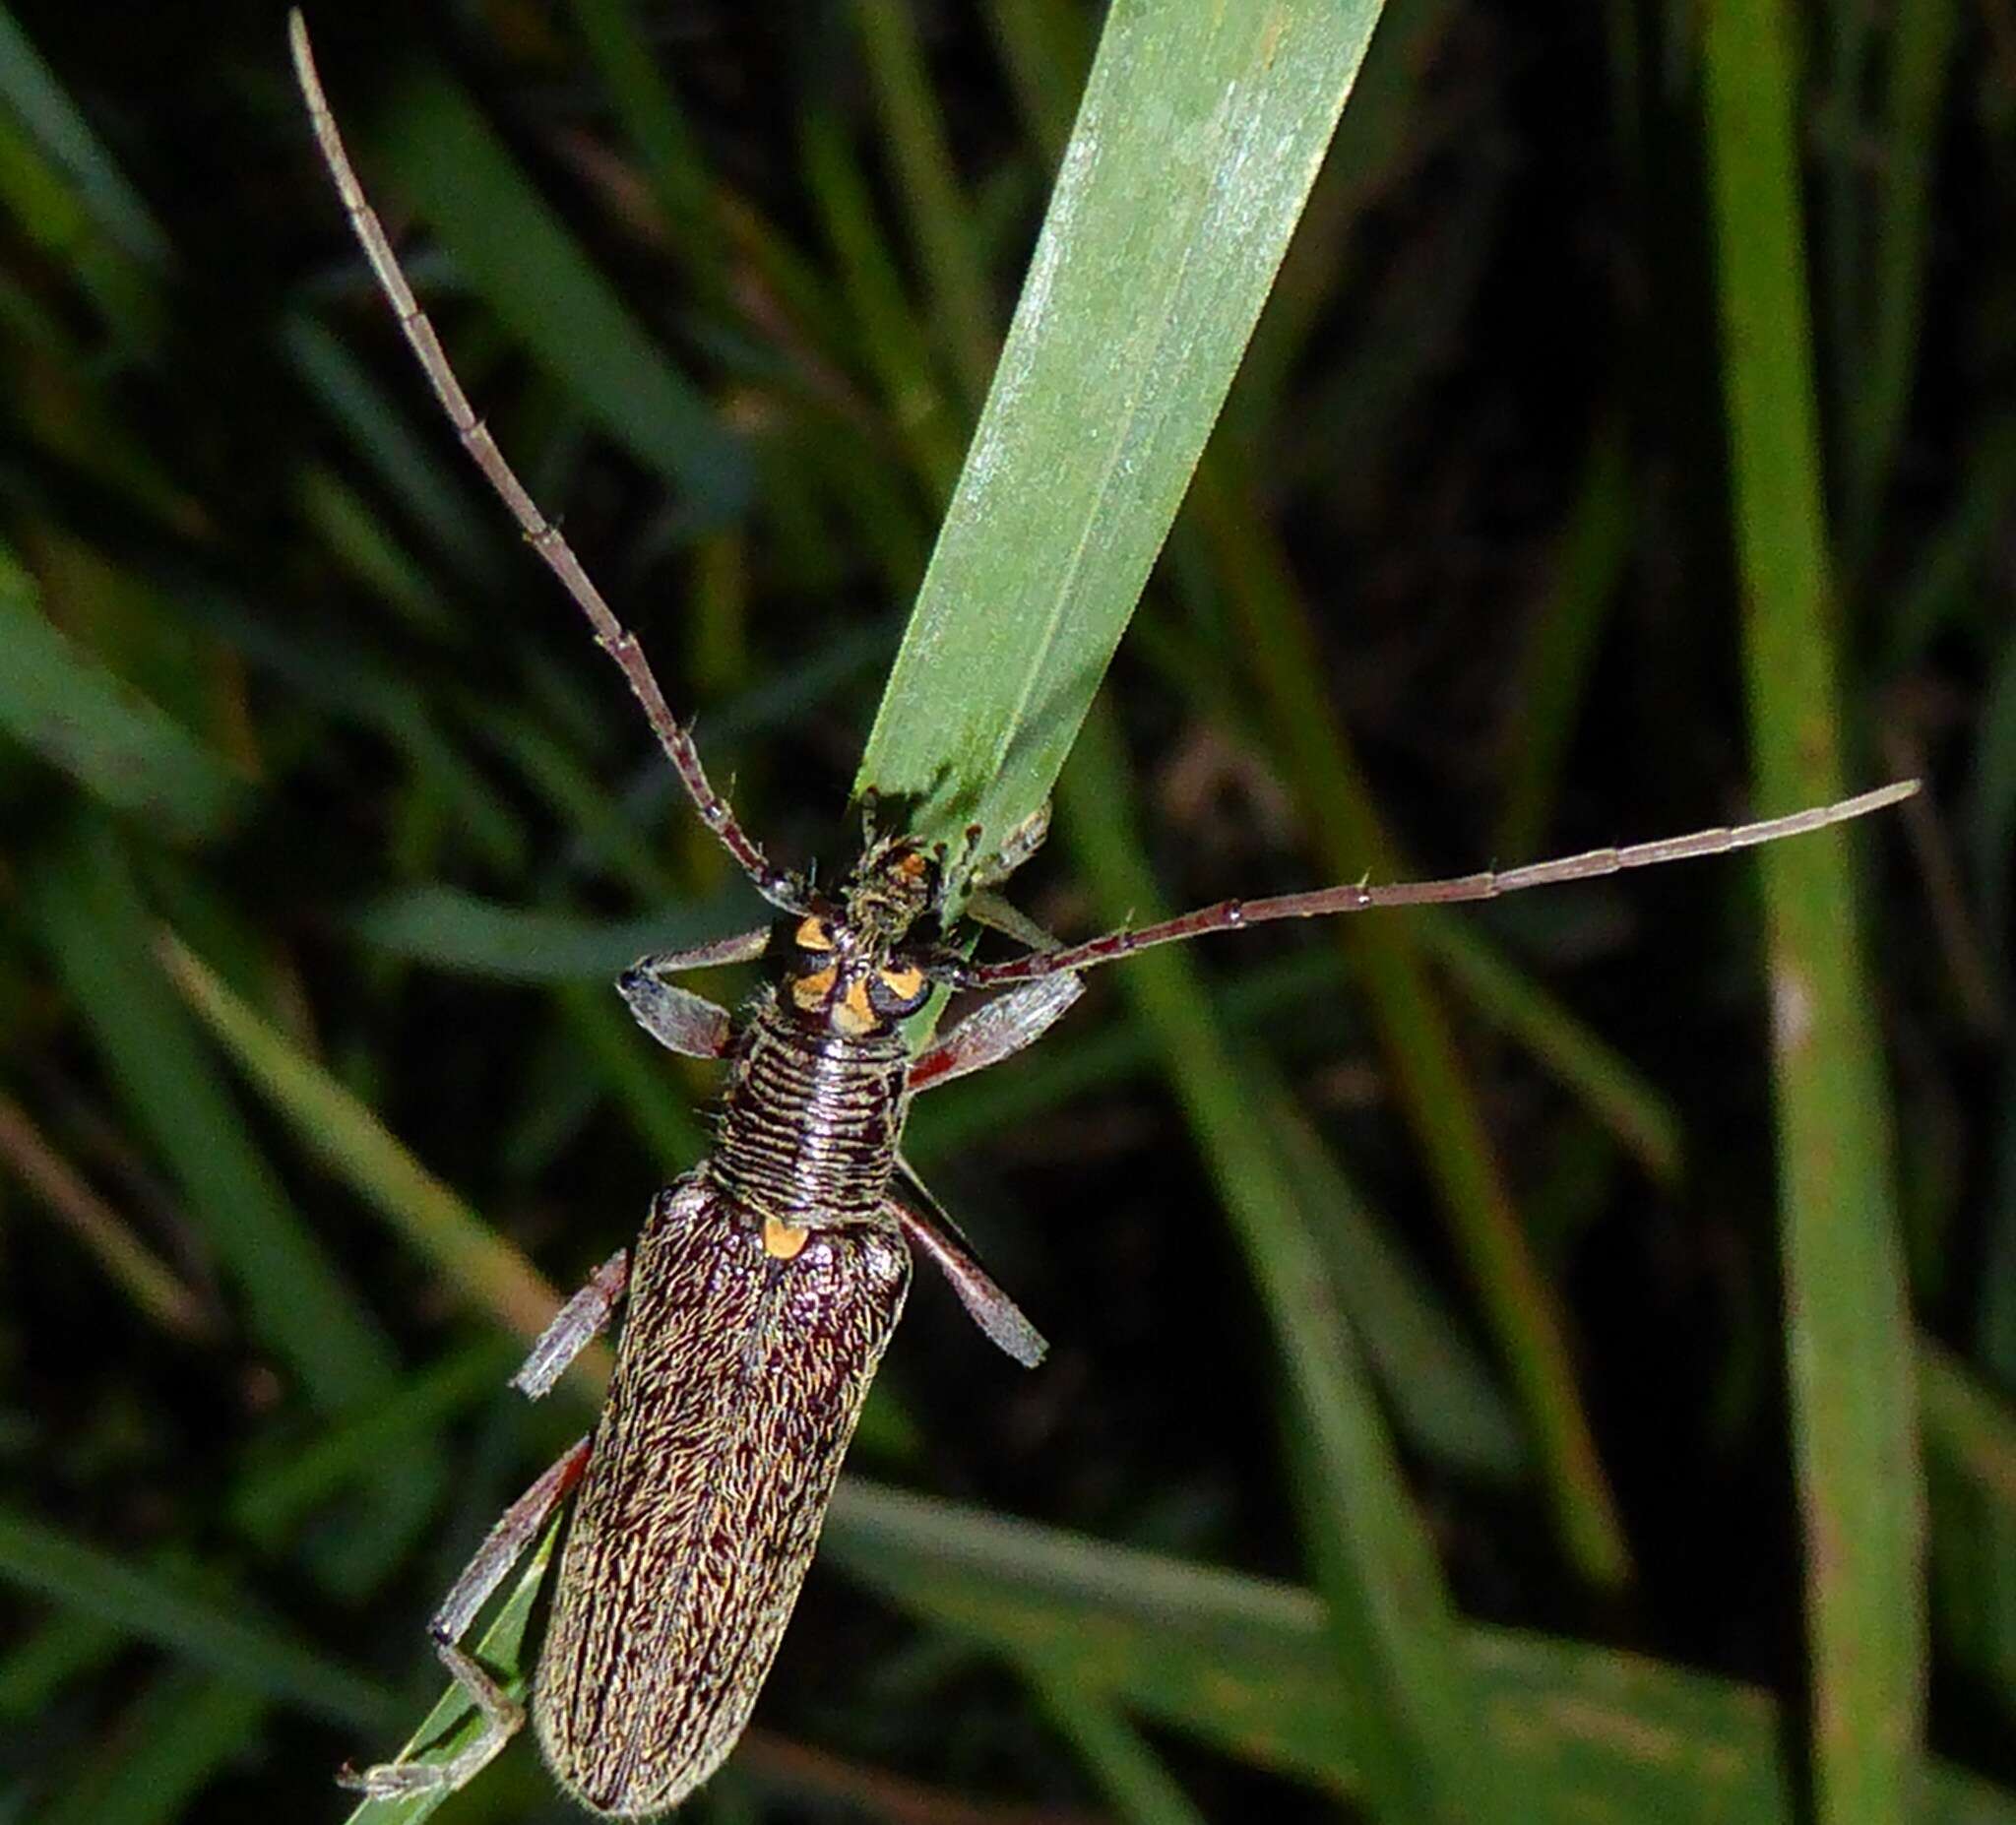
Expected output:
(743, 947)
(574, 1327)
(502, 1715)
(995, 1031)
(928, 1229)
(678, 1019)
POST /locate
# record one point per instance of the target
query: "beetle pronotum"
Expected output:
(767, 1283)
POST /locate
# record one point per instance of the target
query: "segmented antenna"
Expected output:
(776, 885)
(1232, 915)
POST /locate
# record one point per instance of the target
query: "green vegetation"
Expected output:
(1549, 1361)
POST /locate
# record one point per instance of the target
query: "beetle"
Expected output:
(766, 1284)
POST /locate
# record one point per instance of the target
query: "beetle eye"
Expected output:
(898, 989)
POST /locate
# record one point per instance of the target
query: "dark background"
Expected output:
(1496, 479)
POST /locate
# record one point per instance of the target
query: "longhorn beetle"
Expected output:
(766, 1283)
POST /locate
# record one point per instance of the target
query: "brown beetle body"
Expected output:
(738, 1382)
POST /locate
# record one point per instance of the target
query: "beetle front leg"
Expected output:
(575, 1326)
(997, 1031)
(678, 1019)
(502, 1715)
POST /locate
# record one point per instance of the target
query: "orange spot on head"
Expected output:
(810, 991)
(812, 934)
(783, 1241)
(853, 1016)
(904, 981)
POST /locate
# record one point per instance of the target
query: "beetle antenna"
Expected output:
(1491, 884)
(775, 884)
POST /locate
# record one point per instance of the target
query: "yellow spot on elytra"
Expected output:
(782, 1242)
(810, 991)
(905, 982)
(853, 1016)
(812, 935)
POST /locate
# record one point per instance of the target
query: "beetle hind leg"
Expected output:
(502, 1715)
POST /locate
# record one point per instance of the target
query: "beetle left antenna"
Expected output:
(775, 884)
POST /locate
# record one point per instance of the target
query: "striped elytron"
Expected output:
(766, 1284)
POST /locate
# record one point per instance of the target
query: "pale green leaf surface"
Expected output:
(1199, 135)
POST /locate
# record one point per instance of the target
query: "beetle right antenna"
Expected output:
(775, 884)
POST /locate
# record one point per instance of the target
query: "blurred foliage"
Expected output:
(1466, 1401)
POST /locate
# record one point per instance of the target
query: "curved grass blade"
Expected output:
(301, 1307)
(62, 703)
(203, 1630)
(1395, 1632)
(504, 1650)
(455, 930)
(1580, 1732)
(536, 277)
(357, 1146)
(1848, 1329)
(1199, 135)
(32, 93)
(1454, 1143)
(1141, 1788)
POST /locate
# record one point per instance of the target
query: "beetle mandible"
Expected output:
(767, 1283)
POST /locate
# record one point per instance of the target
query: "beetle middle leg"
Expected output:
(933, 1233)
(575, 1326)
(502, 1715)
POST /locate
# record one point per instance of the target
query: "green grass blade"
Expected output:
(1200, 133)
(60, 702)
(455, 931)
(267, 1503)
(301, 1308)
(1129, 1771)
(1613, 1090)
(940, 216)
(440, 502)
(1848, 1341)
(1581, 1732)
(36, 99)
(42, 1661)
(536, 277)
(358, 1147)
(1561, 643)
(1922, 38)
(1522, 1308)
(649, 108)
(202, 1630)
(505, 1651)
(1395, 1631)
(1967, 1424)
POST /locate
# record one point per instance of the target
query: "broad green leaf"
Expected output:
(1199, 135)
